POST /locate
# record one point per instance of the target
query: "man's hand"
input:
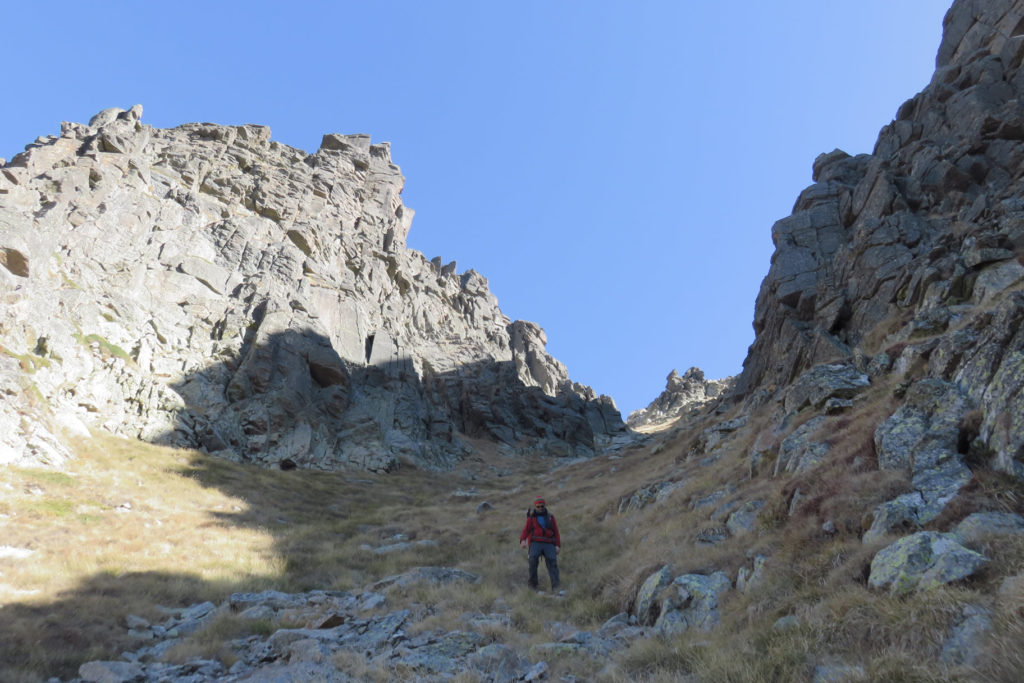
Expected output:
(522, 544)
(558, 549)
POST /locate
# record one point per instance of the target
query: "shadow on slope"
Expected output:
(132, 526)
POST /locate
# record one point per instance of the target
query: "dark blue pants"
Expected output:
(547, 550)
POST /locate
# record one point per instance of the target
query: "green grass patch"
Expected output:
(107, 349)
(39, 476)
(29, 362)
(51, 507)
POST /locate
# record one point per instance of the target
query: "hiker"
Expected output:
(541, 532)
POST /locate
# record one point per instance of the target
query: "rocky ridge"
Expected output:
(205, 286)
(681, 394)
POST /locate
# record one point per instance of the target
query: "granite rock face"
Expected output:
(910, 260)
(206, 286)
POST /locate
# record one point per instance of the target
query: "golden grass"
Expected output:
(128, 526)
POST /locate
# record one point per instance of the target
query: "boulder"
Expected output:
(751, 579)
(800, 450)
(980, 525)
(691, 602)
(921, 561)
(743, 520)
(817, 386)
(647, 596)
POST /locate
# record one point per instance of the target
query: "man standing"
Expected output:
(541, 532)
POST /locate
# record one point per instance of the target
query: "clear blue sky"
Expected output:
(613, 168)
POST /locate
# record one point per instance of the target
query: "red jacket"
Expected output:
(535, 533)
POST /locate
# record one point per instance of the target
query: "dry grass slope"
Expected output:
(129, 526)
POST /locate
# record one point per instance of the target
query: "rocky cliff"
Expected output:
(909, 260)
(206, 286)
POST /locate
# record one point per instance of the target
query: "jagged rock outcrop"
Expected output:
(910, 260)
(681, 393)
(206, 286)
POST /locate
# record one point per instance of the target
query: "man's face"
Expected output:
(538, 508)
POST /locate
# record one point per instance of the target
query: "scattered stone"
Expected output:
(965, 644)
(436, 575)
(538, 672)
(110, 672)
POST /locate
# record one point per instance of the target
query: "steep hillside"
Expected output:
(205, 286)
